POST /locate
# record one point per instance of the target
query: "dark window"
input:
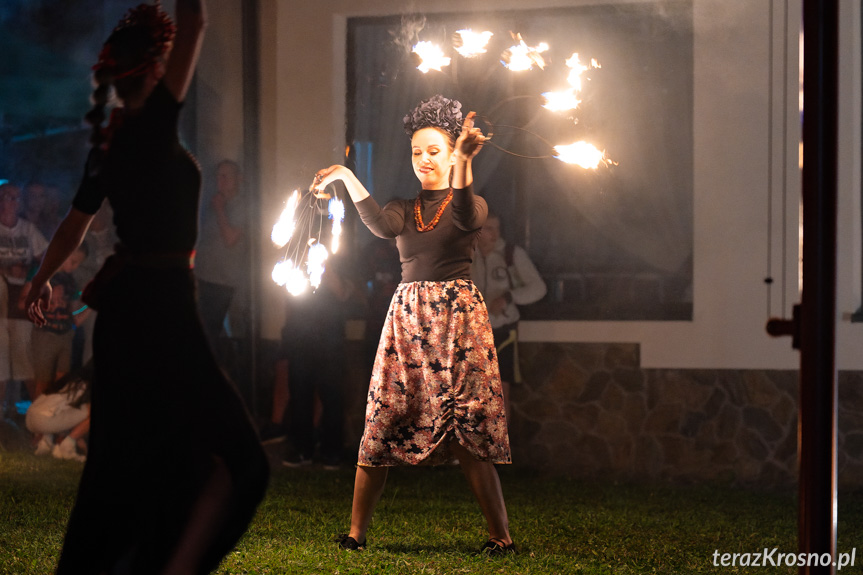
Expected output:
(613, 243)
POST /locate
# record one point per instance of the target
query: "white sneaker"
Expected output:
(45, 445)
(66, 450)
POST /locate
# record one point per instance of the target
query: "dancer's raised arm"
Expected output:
(468, 145)
(191, 20)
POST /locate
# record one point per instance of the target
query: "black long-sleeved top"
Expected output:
(441, 254)
(152, 182)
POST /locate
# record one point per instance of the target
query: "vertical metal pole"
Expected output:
(818, 396)
(251, 167)
(521, 235)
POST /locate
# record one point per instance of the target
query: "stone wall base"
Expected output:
(590, 410)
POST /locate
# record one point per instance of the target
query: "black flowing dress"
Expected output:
(162, 411)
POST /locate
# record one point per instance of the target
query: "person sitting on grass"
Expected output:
(63, 408)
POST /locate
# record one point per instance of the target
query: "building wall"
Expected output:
(711, 398)
(746, 86)
(218, 97)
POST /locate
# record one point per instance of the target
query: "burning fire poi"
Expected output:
(295, 226)
(568, 99)
(303, 264)
(522, 57)
(471, 44)
(518, 58)
(431, 57)
(582, 154)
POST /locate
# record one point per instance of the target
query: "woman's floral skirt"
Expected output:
(435, 379)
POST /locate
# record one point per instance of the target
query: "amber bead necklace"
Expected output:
(418, 216)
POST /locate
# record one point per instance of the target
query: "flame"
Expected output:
(470, 44)
(568, 99)
(336, 209)
(522, 57)
(303, 266)
(561, 101)
(280, 272)
(315, 263)
(285, 273)
(431, 57)
(582, 154)
(576, 68)
(284, 228)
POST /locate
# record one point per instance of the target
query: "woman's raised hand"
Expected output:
(471, 139)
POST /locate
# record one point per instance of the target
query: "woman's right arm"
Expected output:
(384, 223)
(69, 235)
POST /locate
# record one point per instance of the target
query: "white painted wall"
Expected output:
(218, 87)
(303, 87)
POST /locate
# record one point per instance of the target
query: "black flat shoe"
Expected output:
(349, 543)
(497, 548)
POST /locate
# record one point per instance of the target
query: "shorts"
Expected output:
(52, 353)
(15, 351)
(61, 421)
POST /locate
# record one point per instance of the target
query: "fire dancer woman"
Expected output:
(435, 393)
(174, 496)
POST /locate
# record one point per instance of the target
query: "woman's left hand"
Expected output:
(497, 305)
(471, 139)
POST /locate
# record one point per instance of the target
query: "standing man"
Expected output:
(507, 279)
(21, 248)
(222, 258)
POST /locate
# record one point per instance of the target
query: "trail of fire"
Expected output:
(582, 154)
(431, 57)
(568, 99)
(298, 230)
(521, 57)
(471, 44)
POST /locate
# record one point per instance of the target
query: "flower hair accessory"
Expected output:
(435, 112)
(157, 25)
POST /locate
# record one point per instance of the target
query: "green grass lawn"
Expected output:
(428, 523)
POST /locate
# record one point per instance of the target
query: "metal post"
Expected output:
(251, 167)
(813, 325)
(818, 396)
